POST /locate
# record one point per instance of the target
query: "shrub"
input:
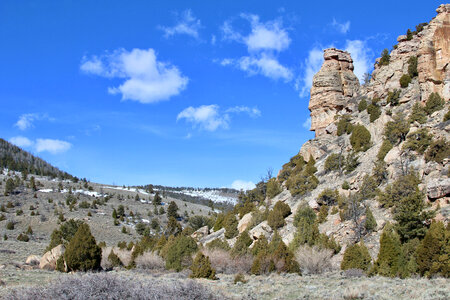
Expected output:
(370, 223)
(197, 222)
(179, 252)
(302, 183)
(328, 197)
(418, 140)
(82, 252)
(313, 260)
(239, 278)
(374, 111)
(356, 256)
(345, 185)
(409, 35)
(230, 224)
(219, 222)
(434, 103)
(114, 260)
(386, 146)
(385, 58)
(201, 267)
(446, 116)
(362, 105)
(405, 80)
(344, 125)
(273, 188)
(396, 131)
(149, 261)
(241, 246)
(222, 262)
(420, 27)
(113, 286)
(10, 225)
(23, 237)
(218, 244)
(172, 210)
(275, 219)
(323, 214)
(438, 151)
(400, 188)
(360, 138)
(351, 162)
(389, 257)
(418, 114)
(394, 96)
(432, 254)
(334, 162)
(412, 66)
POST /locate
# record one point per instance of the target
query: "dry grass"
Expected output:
(313, 260)
(222, 262)
(150, 261)
(124, 255)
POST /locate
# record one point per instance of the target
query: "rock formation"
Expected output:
(331, 89)
(48, 261)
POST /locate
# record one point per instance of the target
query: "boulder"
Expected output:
(261, 229)
(438, 188)
(48, 261)
(200, 233)
(219, 234)
(33, 260)
(244, 222)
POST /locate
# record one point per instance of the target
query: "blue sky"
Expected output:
(180, 93)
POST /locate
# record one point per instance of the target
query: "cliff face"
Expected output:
(331, 89)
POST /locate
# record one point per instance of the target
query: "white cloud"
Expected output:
(213, 40)
(307, 124)
(263, 42)
(341, 27)
(21, 141)
(187, 24)
(206, 117)
(26, 120)
(243, 185)
(311, 66)
(361, 55)
(252, 112)
(211, 118)
(263, 36)
(52, 146)
(146, 79)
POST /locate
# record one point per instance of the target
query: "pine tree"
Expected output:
(82, 252)
(173, 227)
(157, 199)
(172, 210)
(114, 259)
(201, 267)
(356, 256)
(389, 257)
(433, 253)
(242, 243)
(230, 224)
(370, 223)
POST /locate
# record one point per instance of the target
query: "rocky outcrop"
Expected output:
(244, 222)
(438, 188)
(331, 89)
(48, 261)
(200, 233)
(33, 260)
(434, 55)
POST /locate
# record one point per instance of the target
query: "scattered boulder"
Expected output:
(48, 261)
(219, 234)
(244, 222)
(438, 188)
(200, 233)
(33, 260)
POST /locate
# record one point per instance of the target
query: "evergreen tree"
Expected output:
(201, 267)
(433, 253)
(10, 186)
(157, 199)
(82, 252)
(230, 224)
(370, 223)
(172, 210)
(389, 257)
(173, 227)
(356, 256)
(242, 244)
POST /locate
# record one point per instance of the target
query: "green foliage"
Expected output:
(307, 229)
(396, 131)
(411, 217)
(172, 210)
(360, 138)
(412, 66)
(275, 219)
(418, 140)
(219, 222)
(261, 245)
(323, 214)
(218, 244)
(389, 258)
(385, 58)
(179, 252)
(82, 252)
(446, 116)
(201, 267)
(362, 105)
(294, 166)
(370, 223)
(420, 27)
(328, 197)
(230, 224)
(405, 80)
(434, 103)
(239, 278)
(284, 209)
(157, 199)
(351, 162)
(23, 237)
(399, 189)
(334, 162)
(374, 111)
(386, 146)
(197, 222)
(273, 188)
(64, 234)
(344, 125)
(380, 172)
(433, 253)
(345, 185)
(114, 260)
(301, 183)
(438, 151)
(394, 96)
(356, 256)
(173, 227)
(241, 246)
(409, 35)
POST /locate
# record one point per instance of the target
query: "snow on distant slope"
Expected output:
(213, 195)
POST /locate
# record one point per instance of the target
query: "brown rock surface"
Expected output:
(48, 261)
(332, 87)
